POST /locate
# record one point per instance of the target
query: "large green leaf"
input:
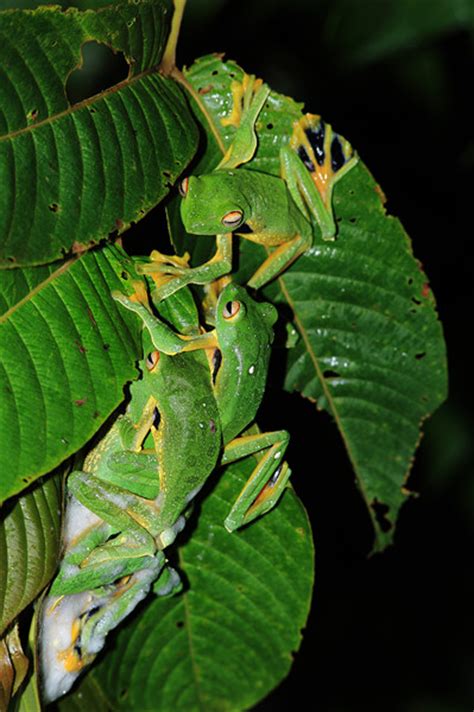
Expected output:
(72, 174)
(371, 350)
(227, 640)
(29, 546)
(66, 349)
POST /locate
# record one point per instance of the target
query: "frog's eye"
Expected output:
(231, 309)
(232, 219)
(183, 187)
(152, 360)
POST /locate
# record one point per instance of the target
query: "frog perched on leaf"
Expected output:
(281, 213)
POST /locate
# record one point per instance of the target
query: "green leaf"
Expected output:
(371, 351)
(72, 174)
(66, 349)
(229, 639)
(29, 546)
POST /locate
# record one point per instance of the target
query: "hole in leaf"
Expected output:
(420, 355)
(381, 510)
(179, 624)
(352, 220)
(269, 126)
(410, 281)
(54, 207)
(214, 72)
(101, 68)
(123, 693)
(415, 300)
(330, 374)
(124, 275)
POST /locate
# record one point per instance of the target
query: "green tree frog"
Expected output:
(126, 503)
(238, 350)
(281, 213)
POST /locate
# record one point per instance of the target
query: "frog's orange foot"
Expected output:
(165, 264)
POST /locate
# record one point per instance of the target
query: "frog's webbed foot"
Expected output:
(248, 98)
(315, 160)
(161, 264)
(170, 272)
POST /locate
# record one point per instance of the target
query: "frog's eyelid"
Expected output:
(183, 187)
(233, 218)
(152, 360)
(231, 309)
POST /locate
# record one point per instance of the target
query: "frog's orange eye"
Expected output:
(232, 219)
(231, 309)
(152, 360)
(183, 187)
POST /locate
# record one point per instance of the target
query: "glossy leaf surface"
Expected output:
(71, 174)
(66, 350)
(227, 640)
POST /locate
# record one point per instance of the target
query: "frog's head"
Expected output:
(212, 204)
(237, 312)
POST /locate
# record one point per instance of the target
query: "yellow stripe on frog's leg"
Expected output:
(281, 258)
(267, 481)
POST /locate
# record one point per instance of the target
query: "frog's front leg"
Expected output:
(171, 274)
(311, 165)
(163, 338)
(267, 481)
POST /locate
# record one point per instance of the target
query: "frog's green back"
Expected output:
(189, 432)
(245, 342)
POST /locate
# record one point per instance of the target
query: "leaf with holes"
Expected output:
(227, 640)
(371, 350)
(66, 350)
(29, 546)
(72, 173)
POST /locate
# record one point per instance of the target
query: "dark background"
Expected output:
(393, 631)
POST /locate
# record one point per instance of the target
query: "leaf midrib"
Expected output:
(129, 81)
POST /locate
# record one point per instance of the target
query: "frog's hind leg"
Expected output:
(268, 480)
(311, 165)
(281, 258)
